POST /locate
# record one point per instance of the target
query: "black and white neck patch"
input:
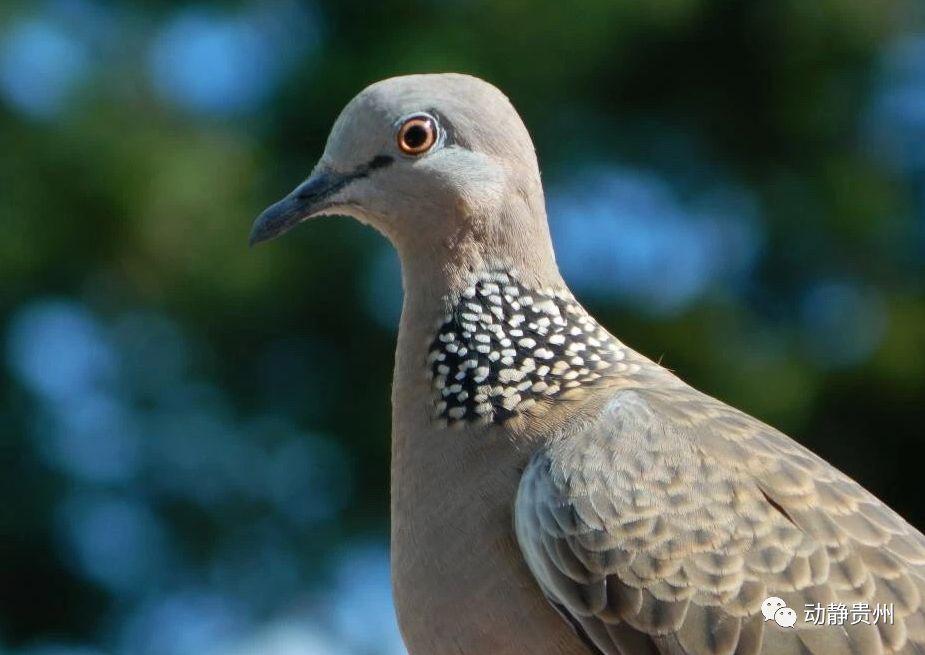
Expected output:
(504, 347)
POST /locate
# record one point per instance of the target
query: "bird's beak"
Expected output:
(308, 199)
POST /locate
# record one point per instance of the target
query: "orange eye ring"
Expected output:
(417, 135)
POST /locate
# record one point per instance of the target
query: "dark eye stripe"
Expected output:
(379, 161)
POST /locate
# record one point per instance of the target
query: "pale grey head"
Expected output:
(444, 167)
(440, 164)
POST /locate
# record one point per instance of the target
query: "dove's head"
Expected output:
(440, 164)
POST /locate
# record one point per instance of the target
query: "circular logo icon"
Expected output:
(785, 617)
(770, 606)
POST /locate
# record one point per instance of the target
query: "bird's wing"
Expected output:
(661, 529)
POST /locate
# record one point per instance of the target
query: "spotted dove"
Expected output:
(553, 491)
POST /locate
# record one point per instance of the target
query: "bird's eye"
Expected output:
(417, 135)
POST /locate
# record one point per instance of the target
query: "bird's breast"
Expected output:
(460, 581)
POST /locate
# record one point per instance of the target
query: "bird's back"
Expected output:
(665, 524)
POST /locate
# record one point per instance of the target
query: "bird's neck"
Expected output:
(490, 334)
(497, 348)
(439, 259)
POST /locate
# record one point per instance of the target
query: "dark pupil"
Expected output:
(416, 136)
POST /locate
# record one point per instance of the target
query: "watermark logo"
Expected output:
(775, 609)
(844, 614)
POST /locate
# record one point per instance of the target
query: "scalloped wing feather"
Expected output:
(664, 526)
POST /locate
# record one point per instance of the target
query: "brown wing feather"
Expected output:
(664, 526)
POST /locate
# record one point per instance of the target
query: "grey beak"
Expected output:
(308, 199)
